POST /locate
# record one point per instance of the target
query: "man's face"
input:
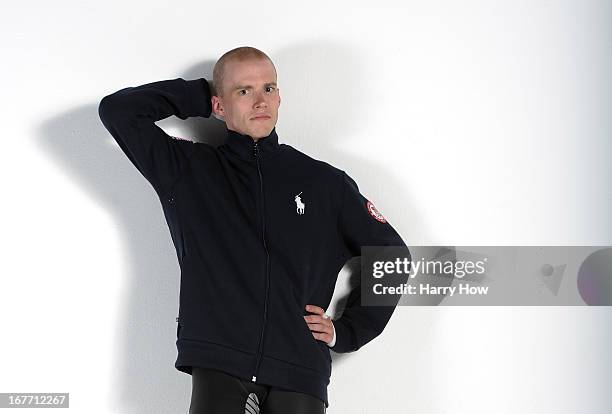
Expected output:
(250, 97)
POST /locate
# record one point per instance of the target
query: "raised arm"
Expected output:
(130, 115)
(358, 225)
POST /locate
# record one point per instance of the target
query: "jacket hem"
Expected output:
(193, 353)
(274, 372)
(288, 376)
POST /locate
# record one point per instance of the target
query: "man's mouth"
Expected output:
(261, 117)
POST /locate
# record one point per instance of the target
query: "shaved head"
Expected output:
(237, 55)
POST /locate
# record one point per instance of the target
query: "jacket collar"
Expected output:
(244, 145)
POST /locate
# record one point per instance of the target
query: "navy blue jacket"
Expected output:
(260, 230)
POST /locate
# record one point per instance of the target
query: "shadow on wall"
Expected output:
(322, 105)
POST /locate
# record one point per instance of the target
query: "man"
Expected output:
(261, 231)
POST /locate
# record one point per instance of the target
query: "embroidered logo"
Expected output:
(299, 205)
(374, 212)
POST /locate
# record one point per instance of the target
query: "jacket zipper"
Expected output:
(263, 237)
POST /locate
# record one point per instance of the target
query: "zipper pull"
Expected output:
(254, 378)
(256, 149)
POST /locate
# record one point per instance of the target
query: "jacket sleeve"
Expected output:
(130, 115)
(360, 224)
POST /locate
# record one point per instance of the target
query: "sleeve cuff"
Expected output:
(199, 97)
(343, 341)
(333, 341)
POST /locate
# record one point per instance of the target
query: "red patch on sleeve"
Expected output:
(374, 212)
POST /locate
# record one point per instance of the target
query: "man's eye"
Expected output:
(271, 87)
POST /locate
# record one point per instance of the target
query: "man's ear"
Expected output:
(217, 108)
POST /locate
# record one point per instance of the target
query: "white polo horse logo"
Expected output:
(299, 205)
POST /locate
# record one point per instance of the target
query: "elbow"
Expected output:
(113, 105)
(105, 108)
(109, 109)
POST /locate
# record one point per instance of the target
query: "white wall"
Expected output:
(467, 123)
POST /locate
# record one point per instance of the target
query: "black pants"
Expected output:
(215, 392)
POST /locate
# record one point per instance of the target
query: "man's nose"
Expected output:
(260, 100)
